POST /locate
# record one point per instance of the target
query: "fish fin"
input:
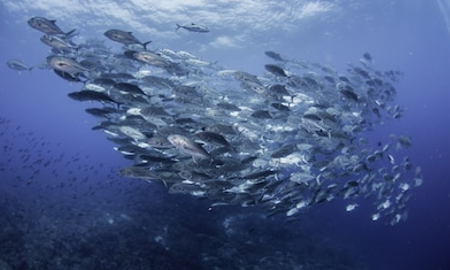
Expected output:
(165, 183)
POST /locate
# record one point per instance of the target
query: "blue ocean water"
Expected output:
(63, 204)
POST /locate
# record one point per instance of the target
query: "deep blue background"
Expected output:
(410, 36)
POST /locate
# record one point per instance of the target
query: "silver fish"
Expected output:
(48, 26)
(187, 146)
(17, 65)
(193, 28)
(124, 37)
(65, 64)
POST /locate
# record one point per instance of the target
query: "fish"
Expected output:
(102, 112)
(275, 56)
(367, 57)
(137, 172)
(187, 146)
(159, 142)
(185, 55)
(404, 141)
(69, 77)
(261, 114)
(148, 57)
(351, 207)
(284, 151)
(279, 90)
(129, 88)
(124, 37)
(276, 70)
(193, 28)
(88, 95)
(61, 44)
(133, 133)
(348, 93)
(228, 106)
(187, 188)
(280, 107)
(17, 64)
(65, 64)
(48, 26)
(211, 137)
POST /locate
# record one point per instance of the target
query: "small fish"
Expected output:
(261, 114)
(391, 159)
(193, 28)
(351, 207)
(137, 172)
(349, 94)
(367, 57)
(132, 132)
(375, 216)
(404, 141)
(275, 56)
(17, 65)
(276, 70)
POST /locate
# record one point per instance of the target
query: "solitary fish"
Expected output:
(18, 65)
(194, 28)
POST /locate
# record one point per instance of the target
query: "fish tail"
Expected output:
(71, 33)
(178, 27)
(145, 44)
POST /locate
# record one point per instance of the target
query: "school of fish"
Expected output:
(286, 140)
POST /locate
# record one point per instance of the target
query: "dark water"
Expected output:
(64, 206)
